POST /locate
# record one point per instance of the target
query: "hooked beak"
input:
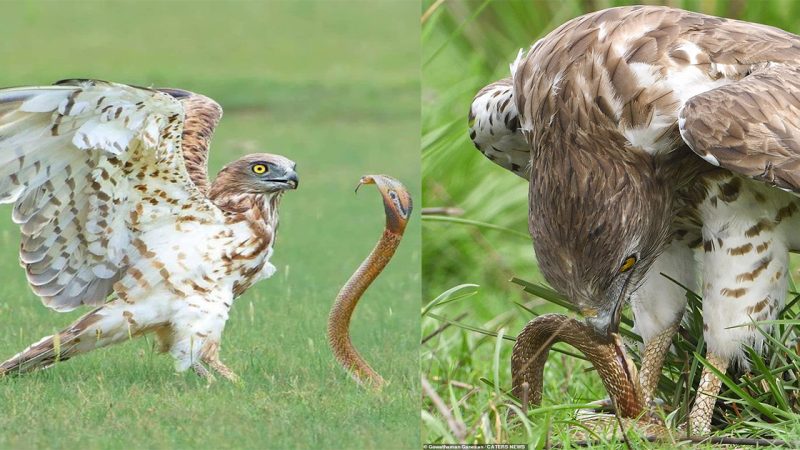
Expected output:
(606, 322)
(291, 180)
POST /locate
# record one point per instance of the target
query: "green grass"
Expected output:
(466, 45)
(332, 85)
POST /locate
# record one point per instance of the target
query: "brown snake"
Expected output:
(397, 205)
(617, 372)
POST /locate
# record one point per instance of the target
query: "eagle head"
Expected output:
(259, 173)
(597, 232)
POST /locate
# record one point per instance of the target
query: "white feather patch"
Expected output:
(711, 159)
(111, 137)
(517, 60)
(44, 102)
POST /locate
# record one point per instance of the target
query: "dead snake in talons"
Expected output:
(607, 354)
(397, 205)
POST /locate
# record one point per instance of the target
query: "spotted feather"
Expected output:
(71, 153)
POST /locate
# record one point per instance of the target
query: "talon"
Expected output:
(219, 367)
(202, 372)
(223, 370)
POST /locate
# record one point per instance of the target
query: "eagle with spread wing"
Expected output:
(111, 193)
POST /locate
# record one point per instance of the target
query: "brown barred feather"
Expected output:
(202, 115)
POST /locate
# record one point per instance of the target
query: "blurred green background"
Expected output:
(331, 85)
(466, 45)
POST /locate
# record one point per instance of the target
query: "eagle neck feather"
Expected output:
(249, 207)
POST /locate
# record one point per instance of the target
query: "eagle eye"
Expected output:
(260, 169)
(630, 261)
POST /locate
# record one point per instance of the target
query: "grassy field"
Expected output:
(332, 85)
(466, 45)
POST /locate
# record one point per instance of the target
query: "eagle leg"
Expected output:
(710, 384)
(223, 370)
(196, 333)
(655, 350)
(202, 372)
(658, 308)
(210, 356)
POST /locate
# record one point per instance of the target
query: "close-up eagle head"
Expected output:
(259, 173)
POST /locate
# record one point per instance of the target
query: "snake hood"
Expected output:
(396, 200)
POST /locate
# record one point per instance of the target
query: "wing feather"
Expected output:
(202, 117)
(494, 128)
(751, 126)
(77, 159)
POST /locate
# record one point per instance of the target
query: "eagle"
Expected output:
(658, 141)
(111, 194)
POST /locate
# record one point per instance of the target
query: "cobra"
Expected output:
(397, 205)
(607, 354)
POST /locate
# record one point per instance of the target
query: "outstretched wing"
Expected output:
(494, 128)
(751, 126)
(202, 116)
(89, 165)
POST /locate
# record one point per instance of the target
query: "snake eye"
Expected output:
(259, 169)
(628, 264)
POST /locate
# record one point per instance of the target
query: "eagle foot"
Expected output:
(202, 372)
(655, 351)
(210, 356)
(222, 369)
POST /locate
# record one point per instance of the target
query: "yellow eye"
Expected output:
(627, 265)
(260, 169)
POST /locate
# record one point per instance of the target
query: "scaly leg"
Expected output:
(211, 357)
(658, 307)
(710, 384)
(223, 370)
(655, 351)
(202, 372)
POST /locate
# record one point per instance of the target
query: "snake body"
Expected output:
(607, 354)
(397, 206)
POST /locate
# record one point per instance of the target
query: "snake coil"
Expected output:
(607, 354)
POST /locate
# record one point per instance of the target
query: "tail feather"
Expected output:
(52, 349)
(40, 355)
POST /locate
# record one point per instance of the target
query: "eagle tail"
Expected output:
(73, 340)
